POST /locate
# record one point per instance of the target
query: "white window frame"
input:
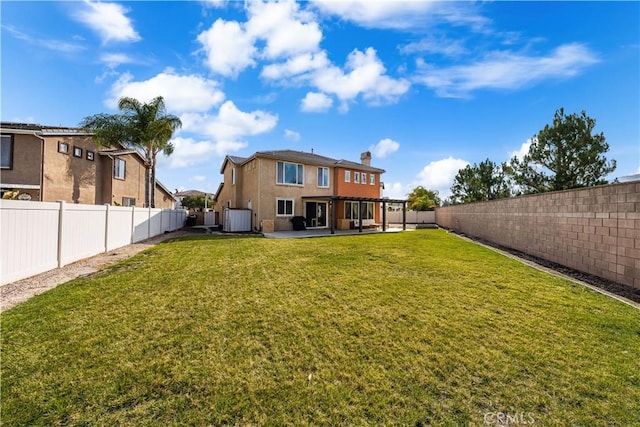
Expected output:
(323, 177)
(347, 176)
(372, 179)
(118, 169)
(363, 178)
(281, 179)
(285, 213)
(356, 177)
(128, 201)
(233, 176)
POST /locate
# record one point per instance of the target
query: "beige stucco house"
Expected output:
(51, 163)
(279, 185)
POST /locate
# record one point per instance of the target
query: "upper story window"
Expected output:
(323, 177)
(347, 176)
(363, 178)
(233, 176)
(119, 168)
(356, 177)
(77, 152)
(372, 179)
(290, 173)
(63, 147)
(6, 147)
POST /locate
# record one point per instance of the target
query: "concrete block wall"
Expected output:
(595, 230)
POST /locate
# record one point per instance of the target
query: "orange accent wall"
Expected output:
(352, 189)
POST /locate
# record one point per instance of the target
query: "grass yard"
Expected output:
(415, 328)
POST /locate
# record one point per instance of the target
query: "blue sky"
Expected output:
(428, 87)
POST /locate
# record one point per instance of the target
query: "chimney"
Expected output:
(365, 158)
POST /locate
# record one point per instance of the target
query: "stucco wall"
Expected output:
(27, 155)
(67, 177)
(595, 230)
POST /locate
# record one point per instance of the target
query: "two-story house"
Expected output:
(279, 185)
(47, 164)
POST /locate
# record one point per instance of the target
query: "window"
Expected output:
(119, 168)
(356, 177)
(347, 176)
(323, 177)
(233, 176)
(372, 179)
(290, 173)
(6, 147)
(90, 155)
(284, 207)
(363, 177)
(77, 152)
(128, 201)
(351, 210)
(63, 147)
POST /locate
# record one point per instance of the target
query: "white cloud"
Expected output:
(439, 175)
(365, 76)
(297, 65)
(108, 20)
(51, 44)
(384, 147)
(315, 102)
(506, 70)
(113, 60)
(524, 149)
(198, 178)
(188, 152)
(285, 29)
(292, 135)
(396, 190)
(228, 47)
(230, 123)
(402, 14)
(432, 45)
(181, 93)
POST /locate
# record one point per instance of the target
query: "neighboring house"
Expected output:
(279, 185)
(180, 195)
(48, 164)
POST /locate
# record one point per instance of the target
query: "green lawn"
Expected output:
(415, 328)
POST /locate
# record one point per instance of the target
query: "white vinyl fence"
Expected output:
(39, 236)
(413, 217)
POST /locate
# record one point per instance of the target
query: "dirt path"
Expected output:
(15, 293)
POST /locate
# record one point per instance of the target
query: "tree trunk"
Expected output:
(153, 182)
(147, 177)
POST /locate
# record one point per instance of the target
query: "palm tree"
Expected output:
(140, 126)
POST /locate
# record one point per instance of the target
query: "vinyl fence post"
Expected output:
(149, 223)
(106, 227)
(133, 222)
(61, 213)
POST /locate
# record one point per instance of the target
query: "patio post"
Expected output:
(384, 216)
(404, 215)
(332, 206)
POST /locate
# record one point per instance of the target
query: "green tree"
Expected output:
(564, 155)
(140, 126)
(480, 182)
(197, 202)
(421, 199)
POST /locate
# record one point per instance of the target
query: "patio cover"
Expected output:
(384, 201)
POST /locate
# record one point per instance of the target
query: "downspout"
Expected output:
(41, 167)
